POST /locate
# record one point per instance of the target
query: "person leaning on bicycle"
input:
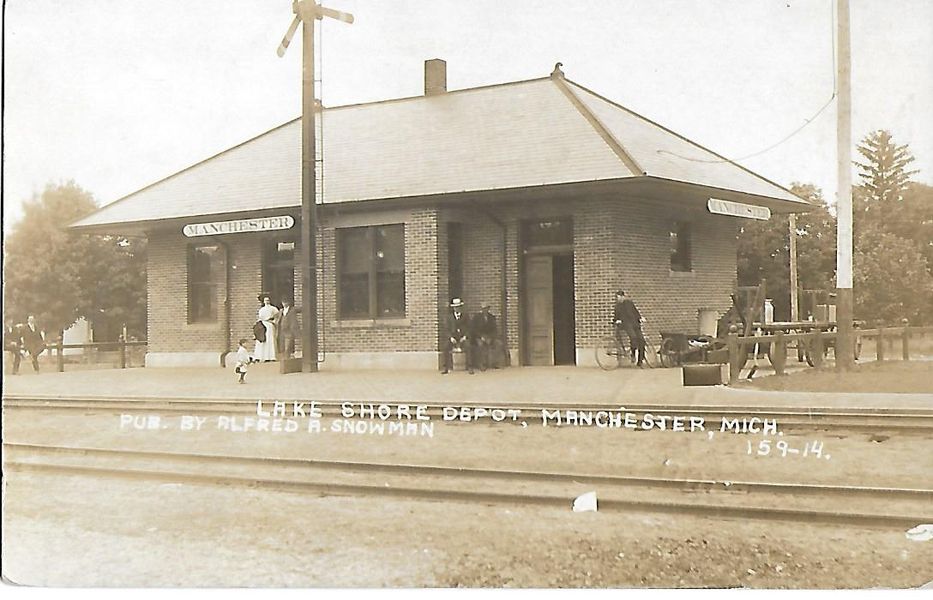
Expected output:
(625, 315)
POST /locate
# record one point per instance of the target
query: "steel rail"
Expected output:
(605, 503)
(407, 468)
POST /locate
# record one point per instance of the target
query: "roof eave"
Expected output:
(775, 204)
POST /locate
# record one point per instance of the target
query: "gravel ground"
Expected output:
(913, 377)
(73, 531)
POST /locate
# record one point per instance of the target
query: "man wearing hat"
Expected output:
(457, 335)
(287, 328)
(484, 332)
(625, 315)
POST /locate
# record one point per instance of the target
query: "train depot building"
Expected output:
(539, 197)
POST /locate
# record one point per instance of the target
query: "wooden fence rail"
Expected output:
(775, 345)
(120, 345)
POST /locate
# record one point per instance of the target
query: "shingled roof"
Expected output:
(529, 133)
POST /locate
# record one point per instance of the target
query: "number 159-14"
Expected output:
(764, 448)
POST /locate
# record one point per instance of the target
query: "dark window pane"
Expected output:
(278, 269)
(680, 247)
(203, 307)
(201, 263)
(389, 243)
(354, 295)
(371, 271)
(390, 295)
(355, 250)
(202, 266)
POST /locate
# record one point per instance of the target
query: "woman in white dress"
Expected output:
(265, 351)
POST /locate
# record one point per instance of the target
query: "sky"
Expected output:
(116, 95)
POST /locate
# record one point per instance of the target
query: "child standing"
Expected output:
(242, 359)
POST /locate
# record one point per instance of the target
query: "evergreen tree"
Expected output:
(884, 175)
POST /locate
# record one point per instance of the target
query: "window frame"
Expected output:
(681, 254)
(372, 274)
(209, 283)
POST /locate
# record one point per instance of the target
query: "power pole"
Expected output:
(306, 13)
(845, 357)
(792, 237)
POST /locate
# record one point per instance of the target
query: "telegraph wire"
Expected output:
(794, 132)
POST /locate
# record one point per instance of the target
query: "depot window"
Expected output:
(371, 272)
(203, 264)
(681, 259)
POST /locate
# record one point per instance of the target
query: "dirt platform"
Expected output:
(71, 531)
(892, 377)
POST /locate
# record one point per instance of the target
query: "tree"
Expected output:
(912, 218)
(890, 203)
(884, 175)
(764, 251)
(892, 284)
(113, 289)
(59, 275)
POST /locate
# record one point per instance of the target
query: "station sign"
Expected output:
(239, 226)
(737, 209)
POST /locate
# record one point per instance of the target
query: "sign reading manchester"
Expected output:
(737, 209)
(239, 226)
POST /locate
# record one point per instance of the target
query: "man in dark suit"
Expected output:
(625, 315)
(287, 328)
(484, 332)
(12, 343)
(457, 336)
(33, 341)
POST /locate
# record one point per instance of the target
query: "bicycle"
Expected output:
(612, 350)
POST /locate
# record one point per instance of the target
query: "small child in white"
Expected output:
(242, 359)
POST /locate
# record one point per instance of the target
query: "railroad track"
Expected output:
(788, 418)
(863, 506)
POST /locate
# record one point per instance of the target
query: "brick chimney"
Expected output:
(435, 77)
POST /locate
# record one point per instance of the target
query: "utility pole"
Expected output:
(845, 357)
(306, 13)
(792, 237)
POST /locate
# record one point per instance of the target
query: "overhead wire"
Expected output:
(795, 131)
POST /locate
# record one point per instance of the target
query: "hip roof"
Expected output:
(530, 133)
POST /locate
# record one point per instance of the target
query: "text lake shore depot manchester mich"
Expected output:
(612, 419)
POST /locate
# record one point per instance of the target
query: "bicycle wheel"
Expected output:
(668, 353)
(651, 355)
(609, 354)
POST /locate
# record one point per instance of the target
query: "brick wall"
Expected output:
(167, 274)
(618, 242)
(418, 331)
(625, 243)
(596, 238)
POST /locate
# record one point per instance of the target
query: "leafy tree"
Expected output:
(893, 284)
(59, 275)
(764, 251)
(113, 290)
(912, 218)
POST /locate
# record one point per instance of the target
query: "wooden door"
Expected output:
(539, 310)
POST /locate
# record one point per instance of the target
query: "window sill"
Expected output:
(682, 274)
(370, 323)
